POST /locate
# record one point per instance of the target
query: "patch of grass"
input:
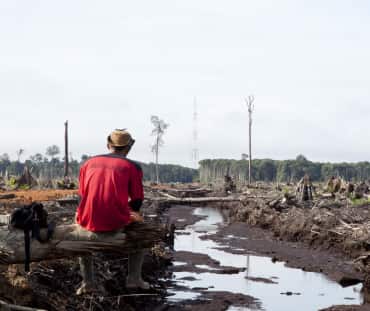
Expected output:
(362, 201)
(24, 187)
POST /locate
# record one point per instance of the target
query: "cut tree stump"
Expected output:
(72, 240)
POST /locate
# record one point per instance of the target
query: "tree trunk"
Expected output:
(156, 159)
(66, 160)
(250, 151)
(72, 241)
(189, 201)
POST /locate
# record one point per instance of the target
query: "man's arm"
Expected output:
(136, 191)
(81, 182)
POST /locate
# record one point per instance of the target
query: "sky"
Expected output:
(112, 64)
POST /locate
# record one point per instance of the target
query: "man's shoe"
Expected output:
(134, 279)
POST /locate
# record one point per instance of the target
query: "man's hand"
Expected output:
(136, 217)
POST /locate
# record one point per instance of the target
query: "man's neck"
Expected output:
(122, 154)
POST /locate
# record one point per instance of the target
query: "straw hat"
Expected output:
(120, 138)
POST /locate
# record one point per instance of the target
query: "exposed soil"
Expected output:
(41, 195)
(215, 301)
(311, 239)
(348, 308)
(51, 285)
(296, 255)
(181, 216)
(258, 241)
(192, 260)
(23, 197)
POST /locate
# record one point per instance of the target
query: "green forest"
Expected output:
(281, 170)
(51, 167)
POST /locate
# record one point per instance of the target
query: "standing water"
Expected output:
(308, 291)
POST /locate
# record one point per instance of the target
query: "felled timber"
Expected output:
(7, 306)
(190, 201)
(7, 196)
(188, 193)
(71, 241)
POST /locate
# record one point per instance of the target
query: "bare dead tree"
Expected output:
(158, 131)
(249, 101)
(19, 154)
(66, 159)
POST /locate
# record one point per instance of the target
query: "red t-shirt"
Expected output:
(107, 182)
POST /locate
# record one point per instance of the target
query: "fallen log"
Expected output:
(171, 199)
(8, 306)
(189, 201)
(168, 196)
(7, 196)
(327, 195)
(72, 240)
(186, 193)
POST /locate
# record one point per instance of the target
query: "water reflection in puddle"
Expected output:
(311, 291)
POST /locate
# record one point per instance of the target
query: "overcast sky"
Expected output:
(112, 64)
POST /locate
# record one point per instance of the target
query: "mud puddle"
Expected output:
(276, 286)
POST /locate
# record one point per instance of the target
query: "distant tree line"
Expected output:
(169, 173)
(50, 167)
(46, 167)
(281, 170)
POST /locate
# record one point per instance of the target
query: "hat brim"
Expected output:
(129, 144)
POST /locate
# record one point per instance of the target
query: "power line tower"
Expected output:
(249, 101)
(195, 151)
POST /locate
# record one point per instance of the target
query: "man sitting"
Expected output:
(111, 193)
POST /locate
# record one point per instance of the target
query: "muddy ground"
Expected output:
(52, 285)
(262, 242)
(326, 238)
(308, 257)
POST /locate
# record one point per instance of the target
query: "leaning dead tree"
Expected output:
(71, 241)
(249, 101)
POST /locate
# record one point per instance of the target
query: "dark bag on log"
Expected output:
(31, 218)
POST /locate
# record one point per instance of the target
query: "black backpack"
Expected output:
(31, 218)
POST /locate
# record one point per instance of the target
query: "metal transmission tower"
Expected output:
(195, 151)
(249, 101)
